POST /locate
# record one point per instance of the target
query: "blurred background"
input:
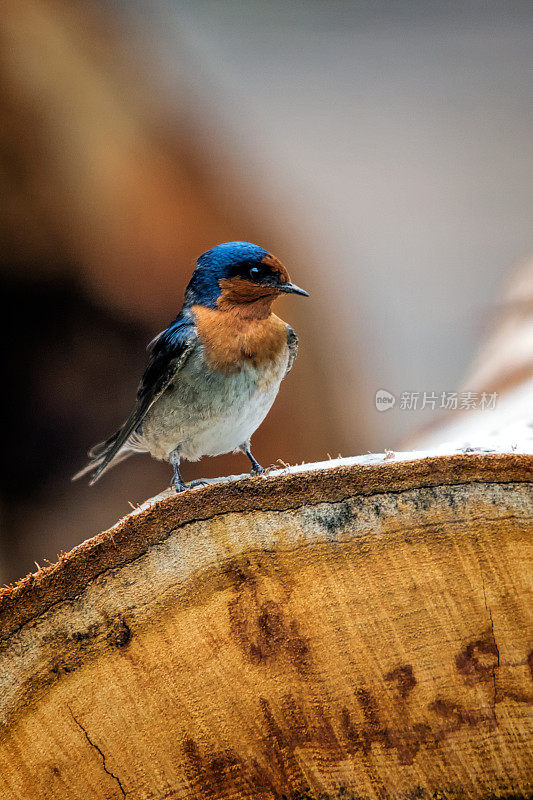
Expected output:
(381, 150)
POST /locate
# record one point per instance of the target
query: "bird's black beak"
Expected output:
(291, 288)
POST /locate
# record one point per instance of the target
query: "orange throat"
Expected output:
(239, 333)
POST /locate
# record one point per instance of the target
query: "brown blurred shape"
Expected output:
(90, 168)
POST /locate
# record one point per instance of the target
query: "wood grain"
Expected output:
(359, 632)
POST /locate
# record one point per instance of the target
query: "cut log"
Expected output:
(357, 630)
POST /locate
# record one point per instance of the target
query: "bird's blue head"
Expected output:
(236, 273)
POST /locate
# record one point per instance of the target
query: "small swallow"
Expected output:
(214, 373)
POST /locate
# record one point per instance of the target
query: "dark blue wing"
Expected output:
(168, 352)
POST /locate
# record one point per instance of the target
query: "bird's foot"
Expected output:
(257, 469)
(178, 485)
(181, 486)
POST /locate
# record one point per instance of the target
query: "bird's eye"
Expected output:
(255, 272)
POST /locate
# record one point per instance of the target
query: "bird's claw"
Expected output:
(180, 486)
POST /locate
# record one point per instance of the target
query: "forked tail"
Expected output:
(105, 455)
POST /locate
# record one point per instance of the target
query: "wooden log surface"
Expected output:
(357, 630)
